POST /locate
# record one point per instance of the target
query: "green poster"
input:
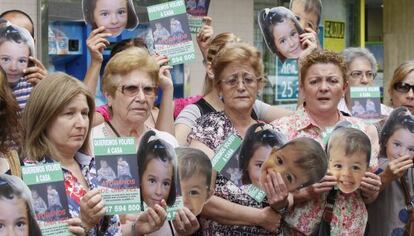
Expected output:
(117, 169)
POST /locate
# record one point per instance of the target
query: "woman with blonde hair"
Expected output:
(211, 101)
(56, 125)
(9, 129)
(401, 87)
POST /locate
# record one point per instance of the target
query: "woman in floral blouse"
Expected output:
(238, 76)
(323, 85)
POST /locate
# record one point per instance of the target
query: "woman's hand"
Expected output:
(75, 226)
(308, 42)
(91, 208)
(151, 220)
(325, 185)
(161, 59)
(185, 222)
(166, 82)
(276, 190)
(205, 35)
(269, 220)
(96, 43)
(370, 187)
(35, 73)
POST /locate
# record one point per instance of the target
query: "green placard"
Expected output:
(365, 92)
(114, 146)
(225, 152)
(195, 23)
(172, 210)
(286, 88)
(54, 229)
(166, 9)
(42, 173)
(124, 202)
(256, 193)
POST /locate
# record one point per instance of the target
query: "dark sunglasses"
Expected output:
(403, 87)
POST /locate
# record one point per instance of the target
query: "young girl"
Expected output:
(16, 211)
(281, 32)
(115, 15)
(157, 170)
(254, 151)
(388, 215)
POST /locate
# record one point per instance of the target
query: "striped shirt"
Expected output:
(21, 92)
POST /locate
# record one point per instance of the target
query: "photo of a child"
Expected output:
(195, 173)
(349, 152)
(114, 15)
(281, 31)
(157, 168)
(255, 149)
(300, 162)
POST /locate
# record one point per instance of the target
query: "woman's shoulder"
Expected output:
(188, 115)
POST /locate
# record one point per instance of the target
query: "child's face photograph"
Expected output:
(348, 169)
(256, 162)
(13, 217)
(14, 58)
(113, 14)
(195, 192)
(286, 39)
(156, 181)
(306, 19)
(400, 143)
(282, 161)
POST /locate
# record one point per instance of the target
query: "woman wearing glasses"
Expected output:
(238, 77)
(361, 69)
(130, 83)
(401, 88)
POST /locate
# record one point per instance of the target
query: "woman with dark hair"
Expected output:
(255, 149)
(9, 129)
(17, 216)
(390, 214)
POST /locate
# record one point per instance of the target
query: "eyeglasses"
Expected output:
(247, 79)
(403, 87)
(133, 90)
(358, 74)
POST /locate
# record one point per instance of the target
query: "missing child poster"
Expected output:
(196, 10)
(117, 170)
(287, 82)
(170, 31)
(227, 162)
(49, 197)
(366, 102)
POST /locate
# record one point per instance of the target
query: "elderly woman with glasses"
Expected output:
(361, 67)
(238, 77)
(130, 83)
(401, 87)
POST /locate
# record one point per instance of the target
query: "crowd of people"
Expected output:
(323, 171)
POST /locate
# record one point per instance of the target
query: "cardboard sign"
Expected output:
(287, 84)
(117, 170)
(196, 10)
(366, 102)
(49, 197)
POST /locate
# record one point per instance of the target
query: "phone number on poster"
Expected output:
(123, 208)
(182, 59)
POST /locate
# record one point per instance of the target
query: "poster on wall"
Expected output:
(196, 10)
(170, 31)
(287, 84)
(334, 39)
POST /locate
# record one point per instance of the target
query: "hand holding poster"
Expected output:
(157, 167)
(171, 35)
(49, 197)
(117, 169)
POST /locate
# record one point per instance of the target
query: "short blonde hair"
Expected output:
(125, 62)
(46, 101)
(399, 74)
(238, 53)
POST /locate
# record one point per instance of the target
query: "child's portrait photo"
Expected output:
(114, 15)
(281, 31)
